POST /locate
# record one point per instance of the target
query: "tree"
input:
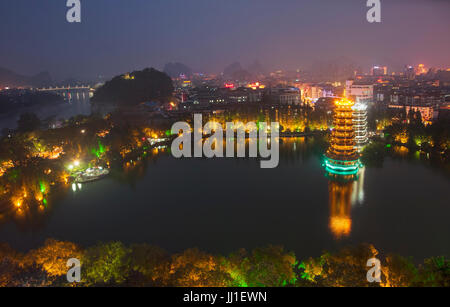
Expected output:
(398, 271)
(373, 155)
(151, 262)
(28, 122)
(106, 263)
(269, 266)
(10, 265)
(194, 268)
(53, 256)
(346, 268)
(435, 272)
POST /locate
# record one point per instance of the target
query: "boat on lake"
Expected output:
(91, 174)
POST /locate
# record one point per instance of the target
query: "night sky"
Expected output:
(121, 35)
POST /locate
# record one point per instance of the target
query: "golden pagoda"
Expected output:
(342, 156)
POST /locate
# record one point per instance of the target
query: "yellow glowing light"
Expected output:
(344, 102)
(340, 226)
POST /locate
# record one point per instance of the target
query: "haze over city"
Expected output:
(116, 36)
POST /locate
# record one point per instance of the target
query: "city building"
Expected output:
(286, 96)
(359, 91)
(378, 71)
(360, 125)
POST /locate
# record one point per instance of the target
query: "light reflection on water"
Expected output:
(221, 205)
(79, 104)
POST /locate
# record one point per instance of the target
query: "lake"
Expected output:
(79, 104)
(221, 205)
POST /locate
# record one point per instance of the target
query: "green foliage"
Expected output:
(194, 268)
(373, 154)
(345, 268)
(398, 271)
(53, 256)
(435, 272)
(151, 262)
(269, 266)
(113, 264)
(106, 263)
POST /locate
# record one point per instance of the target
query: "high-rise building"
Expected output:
(360, 125)
(410, 72)
(342, 156)
(378, 71)
(359, 91)
(421, 70)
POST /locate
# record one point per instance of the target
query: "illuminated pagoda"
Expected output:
(360, 125)
(342, 156)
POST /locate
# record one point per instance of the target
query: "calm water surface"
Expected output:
(79, 104)
(221, 205)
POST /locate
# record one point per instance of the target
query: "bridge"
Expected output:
(70, 92)
(63, 88)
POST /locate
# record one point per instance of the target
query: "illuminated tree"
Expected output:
(346, 268)
(106, 263)
(269, 266)
(53, 256)
(194, 268)
(435, 272)
(152, 262)
(398, 272)
(10, 264)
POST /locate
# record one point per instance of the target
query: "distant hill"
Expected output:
(8, 78)
(338, 69)
(175, 70)
(256, 68)
(231, 69)
(134, 88)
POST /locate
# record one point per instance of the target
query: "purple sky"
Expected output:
(121, 35)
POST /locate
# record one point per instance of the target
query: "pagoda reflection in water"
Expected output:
(343, 169)
(344, 192)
